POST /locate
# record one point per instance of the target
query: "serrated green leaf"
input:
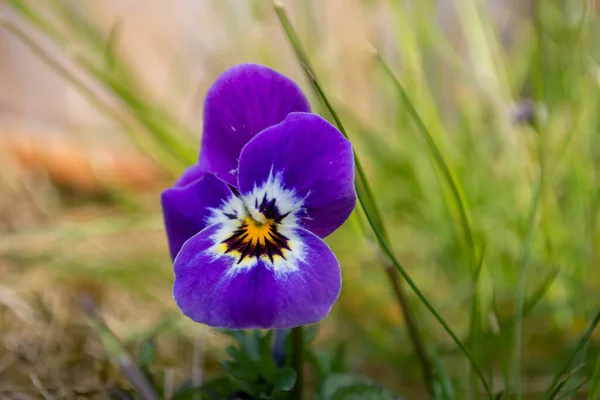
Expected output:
(265, 344)
(284, 379)
(267, 369)
(243, 372)
(237, 335)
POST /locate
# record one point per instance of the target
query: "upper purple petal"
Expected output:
(309, 156)
(211, 288)
(244, 100)
(187, 205)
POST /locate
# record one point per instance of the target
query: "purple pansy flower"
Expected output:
(245, 224)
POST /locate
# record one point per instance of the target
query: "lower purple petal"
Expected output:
(213, 289)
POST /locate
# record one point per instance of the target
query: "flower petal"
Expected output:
(244, 100)
(212, 288)
(308, 157)
(189, 205)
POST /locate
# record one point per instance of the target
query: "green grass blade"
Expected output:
(585, 337)
(521, 288)
(362, 193)
(574, 390)
(532, 301)
(594, 388)
(366, 199)
(159, 153)
(120, 82)
(116, 351)
(563, 383)
(361, 181)
(438, 156)
(475, 323)
(110, 52)
(389, 253)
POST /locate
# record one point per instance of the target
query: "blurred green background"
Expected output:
(101, 108)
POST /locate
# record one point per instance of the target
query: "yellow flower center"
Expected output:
(257, 231)
(257, 239)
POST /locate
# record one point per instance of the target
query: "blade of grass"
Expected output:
(539, 85)
(438, 156)
(363, 192)
(532, 301)
(475, 325)
(445, 390)
(426, 302)
(361, 181)
(119, 81)
(521, 288)
(585, 337)
(450, 179)
(528, 307)
(298, 360)
(564, 381)
(166, 159)
(574, 390)
(594, 388)
(117, 352)
(500, 339)
(110, 54)
(367, 200)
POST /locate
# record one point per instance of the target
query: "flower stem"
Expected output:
(298, 360)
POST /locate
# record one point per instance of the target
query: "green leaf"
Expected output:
(243, 372)
(267, 369)
(264, 344)
(284, 379)
(146, 353)
(334, 382)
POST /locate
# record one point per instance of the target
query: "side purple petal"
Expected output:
(312, 158)
(213, 290)
(186, 205)
(244, 100)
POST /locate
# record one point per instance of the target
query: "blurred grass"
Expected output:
(480, 94)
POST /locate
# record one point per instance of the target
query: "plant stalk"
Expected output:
(298, 360)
